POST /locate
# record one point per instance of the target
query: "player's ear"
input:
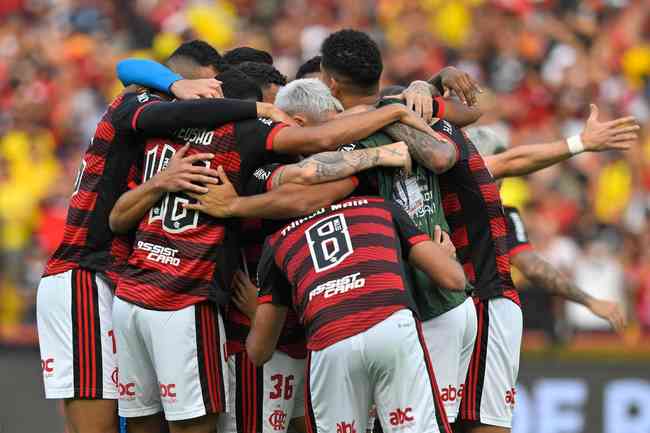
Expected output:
(300, 119)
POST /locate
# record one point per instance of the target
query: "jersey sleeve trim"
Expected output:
(136, 115)
(265, 299)
(414, 240)
(520, 249)
(272, 134)
(441, 107)
(355, 181)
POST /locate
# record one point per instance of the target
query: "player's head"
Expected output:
(239, 55)
(266, 76)
(236, 85)
(195, 59)
(308, 100)
(351, 63)
(309, 69)
(391, 90)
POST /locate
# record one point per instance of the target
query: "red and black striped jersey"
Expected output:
(517, 235)
(472, 205)
(182, 257)
(341, 268)
(108, 166)
(254, 231)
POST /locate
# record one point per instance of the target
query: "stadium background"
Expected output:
(542, 61)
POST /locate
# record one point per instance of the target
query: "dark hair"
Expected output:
(236, 85)
(262, 73)
(199, 52)
(353, 58)
(391, 90)
(309, 67)
(240, 55)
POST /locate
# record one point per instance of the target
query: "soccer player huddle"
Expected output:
(248, 255)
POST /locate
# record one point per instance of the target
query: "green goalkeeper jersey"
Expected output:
(419, 195)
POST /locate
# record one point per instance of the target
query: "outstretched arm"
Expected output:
(438, 264)
(597, 136)
(266, 328)
(543, 275)
(330, 166)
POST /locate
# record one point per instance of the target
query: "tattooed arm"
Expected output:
(431, 150)
(543, 275)
(329, 166)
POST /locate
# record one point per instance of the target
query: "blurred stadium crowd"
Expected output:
(541, 63)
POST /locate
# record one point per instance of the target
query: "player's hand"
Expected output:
(419, 98)
(441, 237)
(610, 311)
(182, 175)
(396, 155)
(617, 134)
(244, 294)
(264, 109)
(195, 89)
(411, 119)
(218, 200)
(459, 82)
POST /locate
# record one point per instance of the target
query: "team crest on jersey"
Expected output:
(262, 174)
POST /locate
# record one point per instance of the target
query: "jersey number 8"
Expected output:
(329, 242)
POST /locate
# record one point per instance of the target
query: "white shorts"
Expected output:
(171, 361)
(267, 398)
(387, 365)
(74, 317)
(489, 395)
(450, 338)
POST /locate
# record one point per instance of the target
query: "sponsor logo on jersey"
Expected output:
(265, 120)
(510, 397)
(345, 427)
(159, 254)
(446, 126)
(336, 287)
(277, 419)
(47, 365)
(168, 391)
(262, 174)
(450, 393)
(195, 135)
(143, 97)
(400, 417)
(126, 390)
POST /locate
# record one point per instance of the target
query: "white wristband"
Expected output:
(575, 144)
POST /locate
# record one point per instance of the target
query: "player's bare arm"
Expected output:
(597, 136)
(196, 89)
(179, 175)
(330, 166)
(432, 150)
(286, 201)
(451, 79)
(342, 130)
(544, 275)
(244, 294)
(265, 332)
(438, 264)
(419, 98)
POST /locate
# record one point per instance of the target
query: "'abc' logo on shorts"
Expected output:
(277, 419)
(127, 390)
(168, 390)
(344, 427)
(510, 396)
(450, 393)
(400, 417)
(47, 365)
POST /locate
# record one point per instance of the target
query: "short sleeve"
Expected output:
(261, 180)
(274, 287)
(517, 235)
(125, 114)
(409, 235)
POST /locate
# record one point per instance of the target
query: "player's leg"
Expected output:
(399, 361)
(493, 371)
(139, 399)
(337, 388)
(187, 351)
(283, 392)
(445, 337)
(467, 347)
(74, 317)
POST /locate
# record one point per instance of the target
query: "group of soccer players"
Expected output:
(244, 254)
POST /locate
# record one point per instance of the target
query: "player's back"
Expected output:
(476, 218)
(108, 165)
(344, 266)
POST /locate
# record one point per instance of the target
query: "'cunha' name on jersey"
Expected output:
(195, 135)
